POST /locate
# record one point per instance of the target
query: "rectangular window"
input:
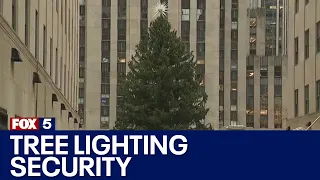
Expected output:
(306, 99)
(36, 39)
(296, 6)
(122, 27)
(14, 15)
(318, 36)
(185, 31)
(106, 9)
(56, 68)
(201, 50)
(51, 58)
(250, 121)
(234, 117)
(144, 9)
(234, 98)
(105, 89)
(104, 111)
(26, 22)
(44, 50)
(81, 92)
(306, 44)
(234, 75)
(296, 50)
(143, 19)
(318, 95)
(296, 103)
(278, 87)
(201, 31)
(65, 80)
(201, 9)
(61, 75)
(122, 9)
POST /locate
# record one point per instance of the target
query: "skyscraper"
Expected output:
(228, 38)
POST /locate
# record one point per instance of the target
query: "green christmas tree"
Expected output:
(162, 90)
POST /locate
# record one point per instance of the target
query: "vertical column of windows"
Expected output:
(105, 64)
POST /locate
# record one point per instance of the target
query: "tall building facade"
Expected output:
(39, 60)
(303, 83)
(238, 45)
(252, 63)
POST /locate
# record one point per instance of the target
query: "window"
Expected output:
(82, 10)
(306, 99)
(56, 68)
(263, 121)
(250, 103)
(306, 44)
(51, 58)
(106, 26)
(221, 98)
(27, 16)
(105, 73)
(201, 50)
(201, 31)
(122, 29)
(234, 117)
(250, 121)
(104, 111)
(234, 15)
(263, 86)
(143, 19)
(318, 95)
(122, 9)
(144, 9)
(250, 86)
(65, 80)
(277, 71)
(234, 98)
(277, 87)
(296, 50)
(36, 39)
(106, 9)
(296, 103)
(234, 75)
(318, 36)
(61, 75)
(14, 15)
(144, 28)
(105, 89)
(185, 16)
(185, 30)
(296, 6)
(44, 53)
(121, 46)
(307, 1)
(81, 72)
(105, 101)
(201, 7)
(81, 92)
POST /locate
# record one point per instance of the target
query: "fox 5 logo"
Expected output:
(32, 124)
